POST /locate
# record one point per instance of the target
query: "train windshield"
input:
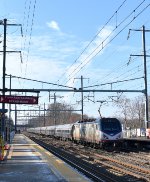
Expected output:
(110, 124)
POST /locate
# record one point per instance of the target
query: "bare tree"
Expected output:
(123, 105)
(139, 111)
(61, 113)
(132, 111)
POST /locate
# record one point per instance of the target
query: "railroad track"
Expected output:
(89, 170)
(99, 165)
(118, 165)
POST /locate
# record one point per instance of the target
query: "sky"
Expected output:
(64, 40)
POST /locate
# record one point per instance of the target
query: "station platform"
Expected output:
(26, 161)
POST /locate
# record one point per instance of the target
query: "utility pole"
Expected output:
(3, 92)
(54, 109)
(82, 97)
(5, 24)
(10, 112)
(39, 115)
(145, 76)
(15, 118)
(44, 114)
(145, 72)
(81, 89)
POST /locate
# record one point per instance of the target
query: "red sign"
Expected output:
(18, 99)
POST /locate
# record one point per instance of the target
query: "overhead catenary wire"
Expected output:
(131, 79)
(118, 81)
(27, 23)
(102, 44)
(120, 67)
(38, 81)
(32, 23)
(23, 24)
(114, 14)
(24, 14)
(129, 62)
(114, 30)
(131, 74)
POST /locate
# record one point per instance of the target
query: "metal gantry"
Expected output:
(69, 89)
(144, 55)
(5, 24)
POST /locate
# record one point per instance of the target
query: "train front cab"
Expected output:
(110, 132)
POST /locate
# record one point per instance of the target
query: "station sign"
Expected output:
(10, 99)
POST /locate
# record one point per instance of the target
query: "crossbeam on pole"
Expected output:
(69, 90)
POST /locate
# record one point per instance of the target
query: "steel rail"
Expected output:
(84, 167)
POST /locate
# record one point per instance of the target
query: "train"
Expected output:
(99, 132)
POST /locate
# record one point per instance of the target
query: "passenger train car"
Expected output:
(99, 132)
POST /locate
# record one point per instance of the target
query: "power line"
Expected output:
(39, 81)
(95, 36)
(32, 22)
(120, 67)
(114, 82)
(102, 44)
(27, 23)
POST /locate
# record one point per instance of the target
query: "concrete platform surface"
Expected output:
(28, 162)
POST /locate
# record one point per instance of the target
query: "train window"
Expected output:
(110, 124)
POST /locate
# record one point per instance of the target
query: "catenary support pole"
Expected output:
(145, 78)
(82, 97)
(3, 92)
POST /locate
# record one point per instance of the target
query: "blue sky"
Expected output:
(55, 35)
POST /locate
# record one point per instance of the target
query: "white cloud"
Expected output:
(49, 55)
(48, 58)
(53, 25)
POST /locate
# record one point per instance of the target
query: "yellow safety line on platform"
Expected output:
(58, 166)
(65, 170)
